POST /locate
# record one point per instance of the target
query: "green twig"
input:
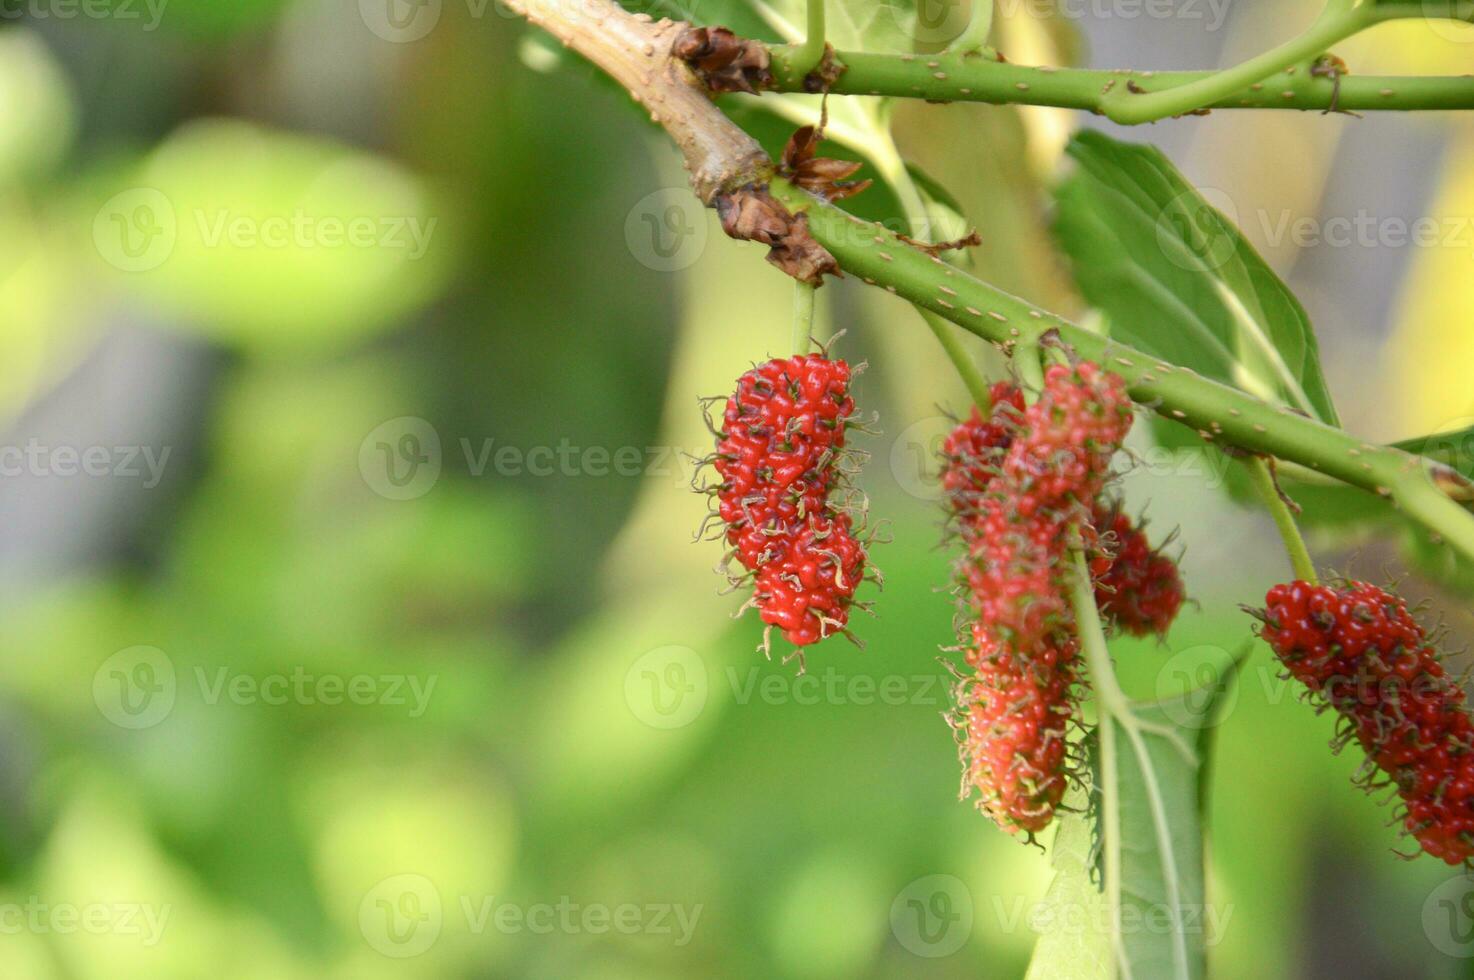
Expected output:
(1123, 105)
(1214, 410)
(1028, 361)
(946, 334)
(1269, 493)
(958, 77)
(803, 317)
(806, 56)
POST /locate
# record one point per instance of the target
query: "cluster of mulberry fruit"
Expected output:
(1022, 486)
(1024, 483)
(1360, 652)
(778, 459)
(1013, 483)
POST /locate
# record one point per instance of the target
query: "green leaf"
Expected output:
(1454, 448)
(865, 25)
(1137, 897)
(1160, 850)
(1062, 952)
(1178, 279)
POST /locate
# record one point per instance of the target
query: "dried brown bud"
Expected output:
(751, 213)
(818, 175)
(723, 61)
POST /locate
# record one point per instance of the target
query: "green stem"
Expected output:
(1028, 361)
(1214, 410)
(803, 317)
(946, 334)
(1269, 493)
(1125, 106)
(1115, 712)
(808, 55)
(970, 77)
(1111, 703)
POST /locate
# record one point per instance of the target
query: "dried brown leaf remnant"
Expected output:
(818, 175)
(723, 61)
(752, 213)
(970, 240)
(826, 74)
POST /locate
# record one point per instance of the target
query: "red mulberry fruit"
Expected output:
(1014, 720)
(777, 456)
(973, 452)
(1360, 652)
(1137, 588)
(1061, 457)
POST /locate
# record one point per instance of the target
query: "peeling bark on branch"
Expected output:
(729, 170)
(635, 51)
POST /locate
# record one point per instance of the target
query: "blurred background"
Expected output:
(353, 627)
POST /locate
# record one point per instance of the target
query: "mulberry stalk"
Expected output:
(1359, 651)
(777, 456)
